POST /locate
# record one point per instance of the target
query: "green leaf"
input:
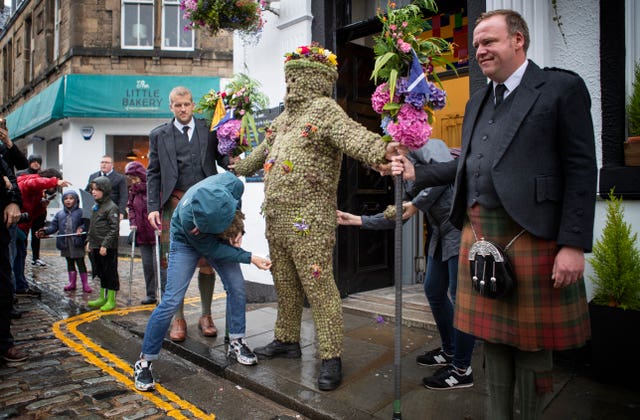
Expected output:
(380, 62)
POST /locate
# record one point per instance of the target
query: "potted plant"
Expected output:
(632, 145)
(615, 307)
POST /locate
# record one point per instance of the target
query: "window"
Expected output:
(137, 24)
(174, 35)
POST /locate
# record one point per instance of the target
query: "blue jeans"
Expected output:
(183, 260)
(442, 277)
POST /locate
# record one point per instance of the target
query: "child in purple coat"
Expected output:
(145, 237)
(71, 228)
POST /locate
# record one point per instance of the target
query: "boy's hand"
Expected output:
(40, 233)
(261, 263)
(103, 251)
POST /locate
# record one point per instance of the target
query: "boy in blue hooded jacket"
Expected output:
(207, 223)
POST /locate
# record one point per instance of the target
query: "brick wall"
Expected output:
(89, 43)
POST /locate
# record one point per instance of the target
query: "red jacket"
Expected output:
(32, 187)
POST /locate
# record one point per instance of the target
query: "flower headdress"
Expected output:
(215, 15)
(231, 113)
(313, 52)
(406, 103)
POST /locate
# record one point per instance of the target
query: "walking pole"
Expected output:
(133, 248)
(398, 289)
(158, 276)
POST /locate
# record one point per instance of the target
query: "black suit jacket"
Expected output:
(162, 171)
(545, 170)
(119, 190)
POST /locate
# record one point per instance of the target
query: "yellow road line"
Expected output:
(66, 330)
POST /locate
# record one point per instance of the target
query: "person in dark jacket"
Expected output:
(10, 202)
(103, 243)
(71, 228)
(144, 235)
(441, 279)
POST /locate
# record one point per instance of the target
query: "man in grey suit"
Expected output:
(526, 175)
(182, 153)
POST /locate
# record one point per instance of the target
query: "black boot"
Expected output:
(330, 374)
(277, 348)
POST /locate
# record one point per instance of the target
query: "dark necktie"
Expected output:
(185, 132)
(499, 93)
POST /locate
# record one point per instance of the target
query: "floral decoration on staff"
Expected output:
(406, 103)
(216, 15)
(230, 112)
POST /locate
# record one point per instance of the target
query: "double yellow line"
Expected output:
(66, 330)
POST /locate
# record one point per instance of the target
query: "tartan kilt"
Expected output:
(535, 316)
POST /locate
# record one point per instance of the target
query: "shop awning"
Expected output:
(103, 96)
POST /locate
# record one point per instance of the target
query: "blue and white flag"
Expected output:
(228, 116)
(417, 79)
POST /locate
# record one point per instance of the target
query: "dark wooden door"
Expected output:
(364, 258)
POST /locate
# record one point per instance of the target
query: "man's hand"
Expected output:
(394, 149)
(568, 267)
(11, 214)
(400, 165)
(103, 251)
(261, 263)
(4, 137)
(63, 183)
(233, 161)
(383, 169)
(408, 210)
(348, 219)
(154, 220)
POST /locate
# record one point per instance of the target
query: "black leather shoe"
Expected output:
(277, 348)
(149, 301)
(330, 374)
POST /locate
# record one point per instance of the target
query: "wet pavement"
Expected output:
(367, 390)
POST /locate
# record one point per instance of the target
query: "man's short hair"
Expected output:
(515, 23)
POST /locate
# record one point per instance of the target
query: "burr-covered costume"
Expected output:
(301, 155)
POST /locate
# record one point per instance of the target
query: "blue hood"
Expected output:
(211, 204)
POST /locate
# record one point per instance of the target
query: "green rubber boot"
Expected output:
(102, 299)
(111, 301)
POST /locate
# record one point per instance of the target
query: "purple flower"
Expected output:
(228, 136)
(437, 97)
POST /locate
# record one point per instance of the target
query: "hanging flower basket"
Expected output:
(217, 15)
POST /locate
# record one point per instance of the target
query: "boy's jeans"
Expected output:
(183, 260)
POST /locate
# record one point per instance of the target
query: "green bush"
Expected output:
(633, 106)
(616, 261)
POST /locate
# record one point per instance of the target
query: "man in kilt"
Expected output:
(526, 175)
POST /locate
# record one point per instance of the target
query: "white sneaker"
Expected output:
(142, 376)
(239, 350)
(39, 263)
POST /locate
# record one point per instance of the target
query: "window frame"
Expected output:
(169, 5)
(123, 28)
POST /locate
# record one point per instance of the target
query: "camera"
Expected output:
(24, 217)
(3, 123)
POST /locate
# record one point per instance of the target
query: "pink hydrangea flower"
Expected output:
(411, 127)
(381, 97)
